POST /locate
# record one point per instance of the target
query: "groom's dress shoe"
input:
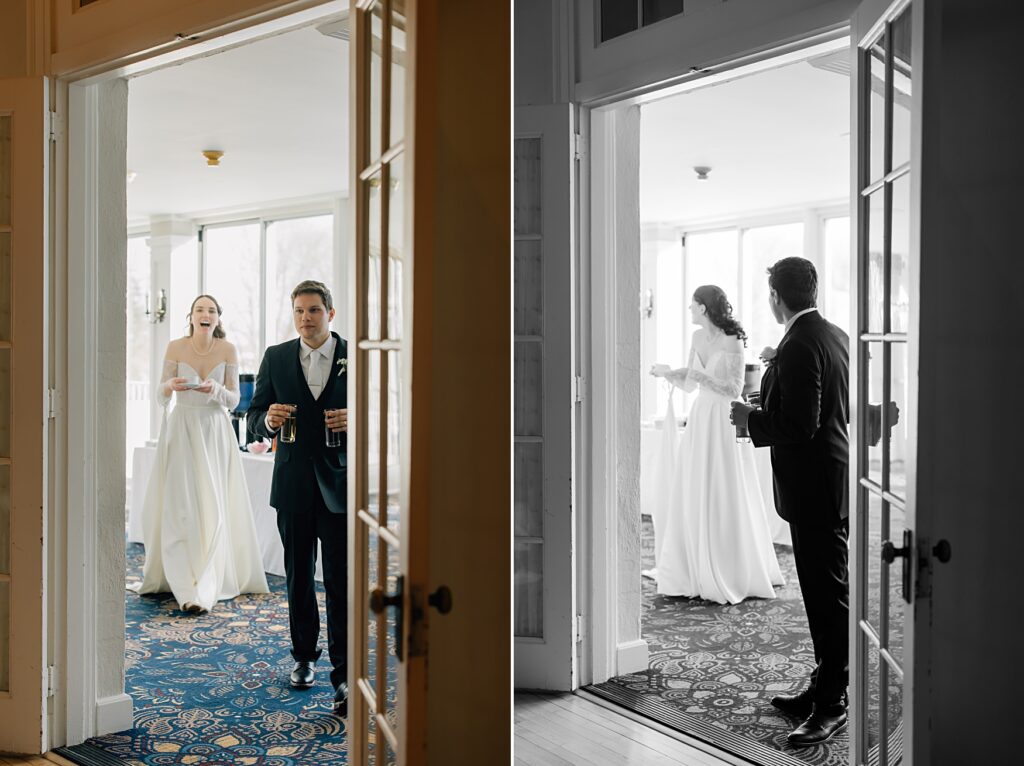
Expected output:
(340, 706)
(797, 705)
(823, 723)
(303, 674)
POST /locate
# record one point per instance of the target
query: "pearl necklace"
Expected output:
(198, 353)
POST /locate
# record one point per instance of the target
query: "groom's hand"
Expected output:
(739, 413)
(336, 420)
(277, 413)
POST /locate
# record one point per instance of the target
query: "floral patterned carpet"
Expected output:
(714, 669)
(213, 689)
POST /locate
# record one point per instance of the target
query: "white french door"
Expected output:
(24, 149)
(885, 602)
(543, 621)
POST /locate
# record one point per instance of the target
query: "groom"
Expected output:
(804, 411)
(306, 378)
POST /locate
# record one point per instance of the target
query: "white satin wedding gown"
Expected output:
(715, 542)
(198, 528)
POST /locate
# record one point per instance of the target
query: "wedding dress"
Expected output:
(198, 528)
(715, 541)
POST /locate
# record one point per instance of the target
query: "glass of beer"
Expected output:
(289, 427)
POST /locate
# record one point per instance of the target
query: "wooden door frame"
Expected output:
(79, 496)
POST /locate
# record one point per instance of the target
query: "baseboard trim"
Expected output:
(114, 714)
(631, 657)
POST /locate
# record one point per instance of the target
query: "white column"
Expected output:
(172, 241)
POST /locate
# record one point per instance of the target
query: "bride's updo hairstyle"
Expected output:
(218, 331)
(719, 310)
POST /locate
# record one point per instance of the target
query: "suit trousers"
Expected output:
(821, 554)
(299, 532)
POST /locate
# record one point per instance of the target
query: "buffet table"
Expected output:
(259, 471)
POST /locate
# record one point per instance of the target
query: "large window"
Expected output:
(251, 267)
(736, 259)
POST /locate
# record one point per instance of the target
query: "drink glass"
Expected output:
(742, 434)
(289, 428)
(332, 438)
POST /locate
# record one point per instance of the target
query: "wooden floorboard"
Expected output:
(567, 730)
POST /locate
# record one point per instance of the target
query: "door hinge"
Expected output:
(51, 680)
(53, 125)
(579, 146)
(578, 388)
(52, 403)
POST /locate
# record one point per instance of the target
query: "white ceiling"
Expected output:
(776, 139)
(277, 108)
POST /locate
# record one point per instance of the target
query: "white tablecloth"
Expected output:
(259, 471)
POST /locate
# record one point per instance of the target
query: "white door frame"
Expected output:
(95, 462)
(611, 643)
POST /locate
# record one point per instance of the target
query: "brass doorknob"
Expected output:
(890, 552)
(441, 599)
(379, 601)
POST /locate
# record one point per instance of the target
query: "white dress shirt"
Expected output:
(789, 323)
(316, 364)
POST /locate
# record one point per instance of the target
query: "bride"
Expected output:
(716, 543)
(199, 534)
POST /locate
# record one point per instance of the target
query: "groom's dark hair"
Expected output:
(312, 287)
(796, 282)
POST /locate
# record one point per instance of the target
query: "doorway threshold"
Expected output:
(748, 750)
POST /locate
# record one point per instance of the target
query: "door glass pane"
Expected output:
(528, 393)
(398, 69)
(395, 242)
(875, 536)
(618, 17)
(876, 112)
(873, 416)
(895, 605)
(762, 247)
(376, 70)
(373, 234)
(393, 436)
(372, 740)
(894, 720)
(373, 431)
(901, 52)
(875, 287)
(5, 171)
(5, 285)
(873, 722)
(656, 10)
(5, 636)
(528, 290)
(526, 187)
(528, 497)
(527, 587)
(231, 256)
(297, 249)
(900, 258)
(387, 645)
(898, 428)
(837, 258)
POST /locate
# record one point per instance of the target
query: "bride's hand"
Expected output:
(659, 370)
(205, 387)
(177, 384)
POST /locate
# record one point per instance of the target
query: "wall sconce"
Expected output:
(213, 156)
(157, 314)
(702, 172)
(647, 303)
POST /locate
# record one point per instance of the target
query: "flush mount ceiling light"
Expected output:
(702, 172)
(213, 156)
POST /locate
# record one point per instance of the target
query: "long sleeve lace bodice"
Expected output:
(724, 374)
(225, 393)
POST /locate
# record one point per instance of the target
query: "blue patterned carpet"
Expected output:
(715, 668)
(213, 689)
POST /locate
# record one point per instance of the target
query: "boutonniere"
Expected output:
(342, 366)
(768, 355)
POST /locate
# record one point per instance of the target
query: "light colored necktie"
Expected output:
(315, 375)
